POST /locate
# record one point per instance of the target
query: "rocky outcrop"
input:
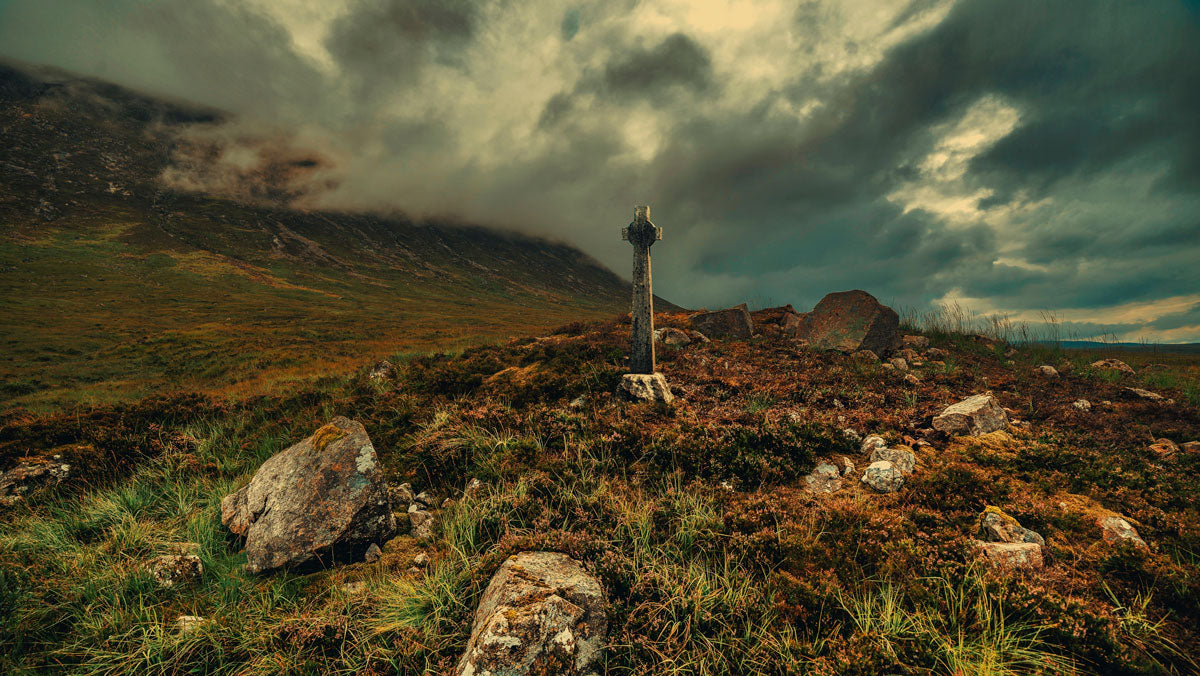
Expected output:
(849, 321)
(734, 322)
(783, 320)
(318, 502)
(972, 416)
(542, 613)
(645, 387)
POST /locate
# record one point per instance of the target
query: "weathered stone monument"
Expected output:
(642, 383)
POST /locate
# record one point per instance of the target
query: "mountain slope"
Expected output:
(115, 286)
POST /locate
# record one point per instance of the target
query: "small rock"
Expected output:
(912, 379)
(972, 416)
(381, 370)
(401, 495)
(186, 624)
(1112, 365)
(421, 560)
(353, 588)
(373, 553)
(424, 499)
(447, 503)
(170, 570)
(1013, 555)
(1047, 371)
(883, 476)
(997, 526)
(473, 489)
(900, 457)
(899, 364)
(672, 336)
(936, 353)
(699, 337)
(871, 443)
(422, 523)
(1143, 394)
(915, 342)
(645, 387)
(865, 355)
(1116, 530)
(1164, 447)
(852, 435)
(888, 366)
(578, 402)
(31, 476)
(1190, 447)
(1082, 404)
(1010, 352)
(824, 479)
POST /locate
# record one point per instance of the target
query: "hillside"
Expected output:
(114, 286)
(695, 517)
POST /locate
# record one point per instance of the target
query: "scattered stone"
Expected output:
(912, 379)
(186, 624)
(1082, 404)
(542, 613)
(1112, 365)
(1047, 371)
(447, 503)
(401, 495)
(423, 498)
(852, 435)
(322, 500)
(850, 321)
(382, 370)
(29, 477)
(421, 522)
(997, 526)
(910, 355)
(421, 560)
(888, 366)
(915, 342)
(847, 466)
(699, 337)
(784, 320)
(865, 355)
(1117, 530)
(1010, 352)
(824, 479)
(972, 416)
(473, 489)
(936, 353)
(883, 476)
(639, 387)
(901, 457)
(353, 588)
(672, 336)
(1143, 394)
(170, 570)
(578, 402)
(1164, 447)
(899, 364)
(1190, 447)
(373, 553)
(1012, 555)
(871, 443)
(734, 322)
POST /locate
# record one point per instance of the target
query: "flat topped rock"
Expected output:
(542, 613)
(849, 321)
(323, 500)
(734, 322)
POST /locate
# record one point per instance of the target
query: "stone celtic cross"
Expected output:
(642, 234)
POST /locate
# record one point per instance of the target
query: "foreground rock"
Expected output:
(318, 502)
(901, 457)
(170, 570)
(645, 387)
(672, 336)
(1139, 393)
(542, 613)
(1116, 530)
(734, 322)
(972, 416)
(826, 478)
(849, 321)
(997, 526)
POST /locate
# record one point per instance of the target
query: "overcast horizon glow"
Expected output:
(1015, 157)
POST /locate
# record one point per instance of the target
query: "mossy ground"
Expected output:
(714, 558)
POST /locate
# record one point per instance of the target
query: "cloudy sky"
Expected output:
(1015, 156)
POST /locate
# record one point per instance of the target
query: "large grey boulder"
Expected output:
(321, 501)
(542, 613)
(972, 416)
(734, 322)
(901, 457)
(883, 476)
(850, 321)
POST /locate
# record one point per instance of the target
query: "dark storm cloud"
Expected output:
(1189, 317)
(834, 172)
